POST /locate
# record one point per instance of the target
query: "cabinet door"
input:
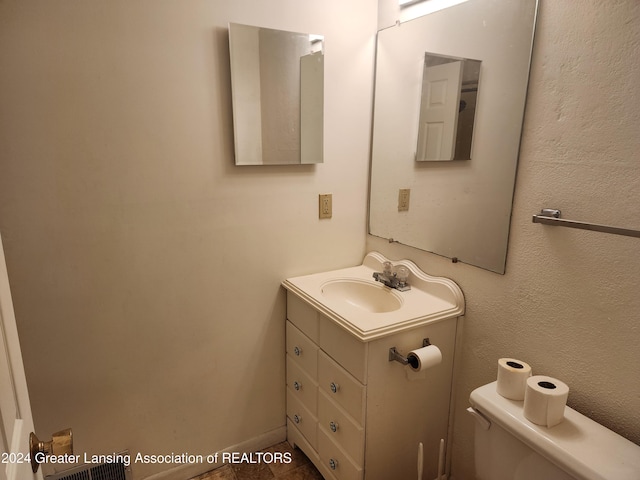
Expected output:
(344, 348)
(341, 428)
(302, 350)
(303, 419)
(302, 386)
(303, 316)
(341, 387)
(334, 457)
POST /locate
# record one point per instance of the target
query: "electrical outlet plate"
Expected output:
(324, 204)
(403, 199)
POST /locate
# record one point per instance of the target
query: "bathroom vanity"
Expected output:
(354, 411)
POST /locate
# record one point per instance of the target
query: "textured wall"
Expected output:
(143, 263)
(568, 303)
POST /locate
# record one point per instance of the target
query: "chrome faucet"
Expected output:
(394, 279)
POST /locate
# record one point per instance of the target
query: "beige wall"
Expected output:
(568, 303)
(145, 266)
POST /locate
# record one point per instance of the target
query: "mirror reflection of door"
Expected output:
(439, 111)
(447, 107)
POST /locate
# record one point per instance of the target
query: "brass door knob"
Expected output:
(61, 443)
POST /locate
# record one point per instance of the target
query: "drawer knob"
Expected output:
(297, 351)
(297, 386)
(333, 426)
(333, 463)
(296, 418)
(334, 387)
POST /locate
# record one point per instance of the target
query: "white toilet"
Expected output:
(509, 447)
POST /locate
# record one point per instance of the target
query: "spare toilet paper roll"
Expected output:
(512, 378)
(424, 357)
(544, 400)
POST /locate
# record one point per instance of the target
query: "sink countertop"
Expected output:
(430, 299)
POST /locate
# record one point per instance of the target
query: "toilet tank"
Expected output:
(513, 448)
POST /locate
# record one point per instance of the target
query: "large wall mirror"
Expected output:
(458, 209)
(277, 84)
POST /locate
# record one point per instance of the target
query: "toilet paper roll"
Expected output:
(512, 378)
(544, 400)
(424, 357)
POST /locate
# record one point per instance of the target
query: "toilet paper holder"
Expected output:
(394, 355)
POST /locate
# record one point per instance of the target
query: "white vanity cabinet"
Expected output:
(353, 412)
(356, 414)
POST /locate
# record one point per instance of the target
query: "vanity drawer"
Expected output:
(302, 350)
(302, 385)
(343, 347)
(303, 316)
(302, 418)
(341, 428)
(338, 462)
(341, 387)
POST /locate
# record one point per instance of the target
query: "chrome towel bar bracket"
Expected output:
(550, 216)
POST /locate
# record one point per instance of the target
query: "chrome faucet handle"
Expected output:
(393, 279)
(387, 269)
(402, 274)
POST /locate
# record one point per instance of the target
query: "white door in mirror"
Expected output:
(439, 111)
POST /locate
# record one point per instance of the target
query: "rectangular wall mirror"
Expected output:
(458, 209)
(277, 83)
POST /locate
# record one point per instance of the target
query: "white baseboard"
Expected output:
(252, 445)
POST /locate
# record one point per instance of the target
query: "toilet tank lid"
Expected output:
(579, 445)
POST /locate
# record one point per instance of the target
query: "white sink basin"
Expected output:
(371, 297)
(353, 299)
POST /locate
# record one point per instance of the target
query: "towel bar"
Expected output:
(549, 216)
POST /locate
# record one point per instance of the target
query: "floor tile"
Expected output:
(306, 472)
(298, 459)
(252, 471)
(300, 468)
(222, 473)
